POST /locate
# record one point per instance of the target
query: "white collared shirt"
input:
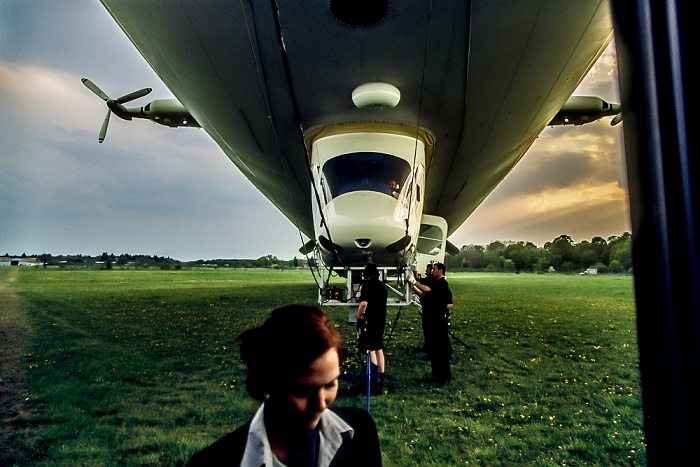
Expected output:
(257, 452)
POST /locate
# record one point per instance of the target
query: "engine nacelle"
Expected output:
(168, 112)
(579, 110)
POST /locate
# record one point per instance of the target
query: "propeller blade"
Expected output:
(92, 87)
(114, 105)
(616, 120)
(133, 95)
(103, 130)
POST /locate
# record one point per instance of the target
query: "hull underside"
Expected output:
(483, 78)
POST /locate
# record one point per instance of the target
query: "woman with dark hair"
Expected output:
(293, 363)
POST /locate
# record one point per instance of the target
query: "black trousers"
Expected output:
(439, 346)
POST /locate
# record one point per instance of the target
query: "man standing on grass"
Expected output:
(436, 300)
(371, 316)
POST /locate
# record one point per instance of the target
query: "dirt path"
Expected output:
(15, 335)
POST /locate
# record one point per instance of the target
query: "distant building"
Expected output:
(11, 261)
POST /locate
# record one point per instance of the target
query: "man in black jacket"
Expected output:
(436, 300)
(371, 316)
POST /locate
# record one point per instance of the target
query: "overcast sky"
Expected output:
(153, 190)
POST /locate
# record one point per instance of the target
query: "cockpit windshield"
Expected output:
(369, 171)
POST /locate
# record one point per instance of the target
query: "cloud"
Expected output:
(172, 192)
(169, 191)
(602, 78)
(571, 181)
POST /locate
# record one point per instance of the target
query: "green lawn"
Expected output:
(142, 368)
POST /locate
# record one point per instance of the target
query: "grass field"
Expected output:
(142, 368)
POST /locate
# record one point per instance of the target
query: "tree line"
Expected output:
(613, 255)
(129, 261)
